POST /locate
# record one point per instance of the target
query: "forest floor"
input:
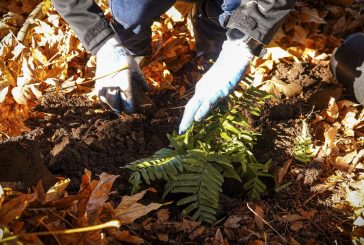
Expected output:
(62, 134)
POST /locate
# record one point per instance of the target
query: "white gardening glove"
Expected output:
(218, 81)
(118, 88)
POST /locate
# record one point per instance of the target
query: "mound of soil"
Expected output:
(77, 133)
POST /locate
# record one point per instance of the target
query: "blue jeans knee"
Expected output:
(133, 19)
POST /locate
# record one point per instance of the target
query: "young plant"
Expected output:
(198, 161)
(304, 150)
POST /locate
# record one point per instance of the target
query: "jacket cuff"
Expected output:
(258, 22)
(97, 36)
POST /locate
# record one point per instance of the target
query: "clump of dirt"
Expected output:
(281, 122)
(316, 80)
(76, 133)
(279, 125)
(304, 74)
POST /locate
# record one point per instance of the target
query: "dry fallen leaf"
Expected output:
(276, 54)
(296, 226)
(125, 236)
(259, 220)
(277, 88)
(282, 172)
(311, 15)
(343, 162)
(332, 111)
(2, 196)
(100, 193)
(187, 225)
(57, 191)
(219, 239)
(330, 135)
(232, 222)
(129, 210)
(291, 217)
(15, 207)
(356, 198)
(163, 215)
(162, 237)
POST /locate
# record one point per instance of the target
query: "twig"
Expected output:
(176, 108)
(113, 223)
(284, 239)
(219, 221)
(319, 228)
(91, 80)
(54, 236)
(7, 136)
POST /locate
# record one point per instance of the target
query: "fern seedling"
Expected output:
(304, 150)
(197, 162)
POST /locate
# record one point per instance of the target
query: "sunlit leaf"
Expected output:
(57, 190)
(278, 88)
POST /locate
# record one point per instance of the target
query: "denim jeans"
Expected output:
(133, 19)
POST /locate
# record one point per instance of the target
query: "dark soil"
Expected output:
(76, 133)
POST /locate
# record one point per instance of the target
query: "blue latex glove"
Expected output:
(118, 88)
(218, 82)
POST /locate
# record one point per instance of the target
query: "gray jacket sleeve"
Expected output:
(87, 21)
(260, 19)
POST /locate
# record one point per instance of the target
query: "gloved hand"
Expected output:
(118, 87)
(218, 82)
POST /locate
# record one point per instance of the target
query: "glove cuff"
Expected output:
(256, 47)
(236, 50)
(112, 44)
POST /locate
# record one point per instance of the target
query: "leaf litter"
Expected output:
(51, 60)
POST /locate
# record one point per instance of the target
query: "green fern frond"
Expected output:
(255, 187)
(208, 152)
(304, 150)
(204, 188)
(165, 163)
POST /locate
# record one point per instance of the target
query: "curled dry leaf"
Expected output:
(332, 111)
(57, 191)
